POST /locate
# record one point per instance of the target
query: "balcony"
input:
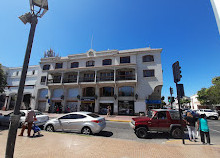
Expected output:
(87, 79)
(69, 80)
(51, 81)
(125, 77)
(106, 78)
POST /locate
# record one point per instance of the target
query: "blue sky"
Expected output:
(186, 30)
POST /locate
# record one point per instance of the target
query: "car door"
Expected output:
(76, 122)
(163, 121)
(64, 122)
(153, 123)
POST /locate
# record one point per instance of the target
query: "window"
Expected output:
(174, 115)
(74, 64)
(93, 115)
(125, 59)
(17, 73)
(148, 73)
(33, 72)
(106, 91)
(89, 92)
(148, 58)
(46, 67)
(43, 79)
(126, 91)
(90, 63)
(59, 66)
(107, 62)
(161, 115)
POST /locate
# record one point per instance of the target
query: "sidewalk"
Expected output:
(67, 145)
(116, 118)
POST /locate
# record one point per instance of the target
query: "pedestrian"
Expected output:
(190, 123)
(204, 129)
(30, 118)
(108, 111)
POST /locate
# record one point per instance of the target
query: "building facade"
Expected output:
(8, 98)
(129, 81)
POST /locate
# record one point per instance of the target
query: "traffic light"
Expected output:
(176, 72)
(172, 99)
(169, 99)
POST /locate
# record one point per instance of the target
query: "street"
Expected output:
(122, 130)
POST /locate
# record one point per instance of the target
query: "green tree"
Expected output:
(184, 101)
(3, 82)
(211, 95)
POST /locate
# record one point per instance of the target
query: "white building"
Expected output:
(129, 81)
(13, 78)
(194, 102)
(216, 9)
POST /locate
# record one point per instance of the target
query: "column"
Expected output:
(116, 100)
(79, 100)
(65, 94)
(95, 75)
(62, 77)
(48, 100)
(78, 77)
(5, 104)
(97, 100)
(114, 74)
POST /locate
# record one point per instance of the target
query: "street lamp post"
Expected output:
(31, 18)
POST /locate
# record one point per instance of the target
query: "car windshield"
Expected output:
(93, 115)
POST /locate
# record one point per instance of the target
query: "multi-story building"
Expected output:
(13, 78)
(130, 81)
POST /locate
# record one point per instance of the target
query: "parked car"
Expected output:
(209, 113)
(80, 122)
(158, 120)
(41, 118)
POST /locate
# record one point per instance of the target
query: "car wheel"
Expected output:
(176, 133)
(216, 118)
(86, 131)
(141, 132)
(50, 128)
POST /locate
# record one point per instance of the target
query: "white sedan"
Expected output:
(80, 122)
(41, 118)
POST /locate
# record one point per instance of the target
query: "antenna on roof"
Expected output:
(92, 41)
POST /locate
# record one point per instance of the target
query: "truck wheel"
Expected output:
(141, 132)
(176, 133)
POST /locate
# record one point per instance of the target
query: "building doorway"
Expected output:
(26, 101)
(87, 106)
(103, 108)
(56, 108)
(126, 107)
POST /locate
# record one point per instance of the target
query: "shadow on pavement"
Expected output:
(2, 128)
(104, 134)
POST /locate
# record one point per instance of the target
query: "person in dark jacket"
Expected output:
(190, 123)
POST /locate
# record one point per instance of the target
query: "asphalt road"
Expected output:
(123, 130)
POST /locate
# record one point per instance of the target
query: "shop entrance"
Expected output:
(56, 108)
(126, 107)
(87, 106)
(103, 108)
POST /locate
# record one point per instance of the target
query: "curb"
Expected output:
(118, 120)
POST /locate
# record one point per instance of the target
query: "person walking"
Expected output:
(108, 111)
(204, 129)
(190, 123)
(30, 118)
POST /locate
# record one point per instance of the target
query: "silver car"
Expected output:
(41, 118)
(80, 122)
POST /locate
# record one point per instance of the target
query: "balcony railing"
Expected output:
(87, 79)
(69, 80)
(49, 81)
(125, 77)
(106, 78)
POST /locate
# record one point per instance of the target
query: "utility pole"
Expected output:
(15, 117)
(171, 103)
(177, 76)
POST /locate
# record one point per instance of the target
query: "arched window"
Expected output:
(46, 67)
(74, 64)
(107, 62)
(90, 63)
(148, 58)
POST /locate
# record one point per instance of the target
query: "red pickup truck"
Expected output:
(158, 120)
